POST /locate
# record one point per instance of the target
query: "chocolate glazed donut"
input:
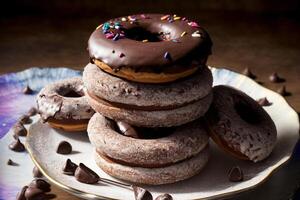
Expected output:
(182, 143)
(151, 48)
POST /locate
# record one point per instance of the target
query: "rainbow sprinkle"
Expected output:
(196, 34)
(193, 24)
(183, 34)
(167, 56)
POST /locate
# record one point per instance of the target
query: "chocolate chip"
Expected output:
(27, 90)
(64, 147)
(164, 197)
(33, 193)
(17, 146)
(235, 174)
(32, 111)
(264, 102)
(25, 119)
(36, 172)
(40, 184)
(11, 163)
(21, 194)
(247, 72)
(283, 92)
(127, 129)
(275, 78)
(84, 174)
(141, 193)
(69, 167)
(19, 130)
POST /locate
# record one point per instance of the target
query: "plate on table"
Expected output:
(211, 182)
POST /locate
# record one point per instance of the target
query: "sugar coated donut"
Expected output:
(239, 125)
(63, 105)
(166, 147)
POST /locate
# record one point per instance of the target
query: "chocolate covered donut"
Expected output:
(169, 145)
(239, 125)
(150, 48)
(63, 105)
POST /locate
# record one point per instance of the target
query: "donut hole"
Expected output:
(70, 93)
(154, 133)
(247, 113)
(142, 34)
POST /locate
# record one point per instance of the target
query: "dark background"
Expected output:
(262, 35)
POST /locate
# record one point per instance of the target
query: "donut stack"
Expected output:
(149, 84)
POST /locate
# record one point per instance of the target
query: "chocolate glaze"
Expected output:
(149, 56)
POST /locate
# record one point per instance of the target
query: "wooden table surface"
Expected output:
(265, 44)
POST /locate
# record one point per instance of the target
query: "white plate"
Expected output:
(212, 182)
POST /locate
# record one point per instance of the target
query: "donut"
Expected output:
(174, 94)
(155, 176)
(148, 105)
(152, 48)
(239, 125)
(64, 106)
(152, 118)
(168, 145)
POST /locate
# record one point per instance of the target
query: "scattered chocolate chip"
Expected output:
(164, 197)
(141, 193)
(40, 184)
(264, 102)
(127, 129)
(21, 194)
(36, 172)
(17, 146)
(275, 78)
(11, 163)
(122, 55)
(84, 174)
(27, 90)
(283, 92)
(247, 72)
(64, 147)
(235, 174)
(69, 167)
(32, 111)
(33, 193)
(25, 119)
(19, 130)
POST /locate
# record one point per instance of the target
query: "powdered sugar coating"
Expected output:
(176, 93)
(242, 123)
(186, 141)
(51, 102)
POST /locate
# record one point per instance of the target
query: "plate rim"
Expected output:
(270, 171)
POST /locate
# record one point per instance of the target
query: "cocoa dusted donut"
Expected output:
(155, 176)
(148, 156)
(150, 48)
(168, 145)
(149, 105)
(64, 106)
(239, 125)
